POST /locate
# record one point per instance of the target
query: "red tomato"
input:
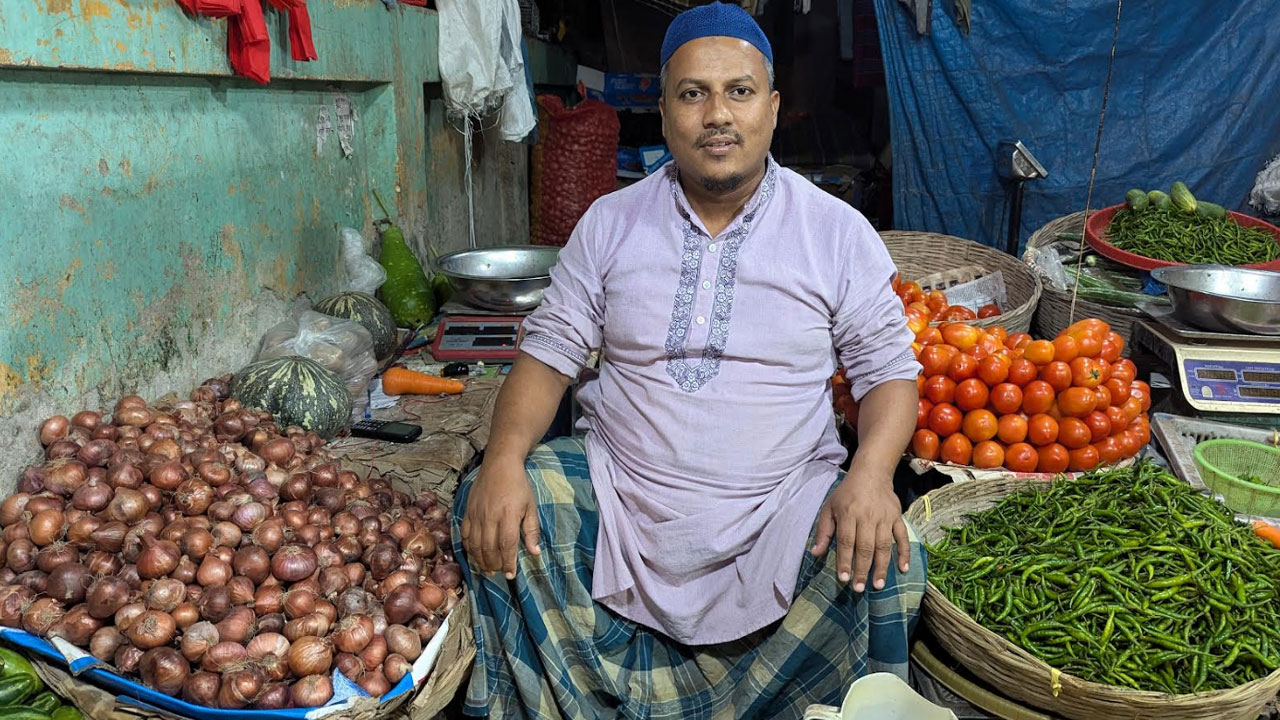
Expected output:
(936, 300)
(1039, 352)
(920, 385)
(960, 335)
(1074, 433)
(962, 367)
(1129, 445)
(998, 332)
(1132, 408)
(971, 395)
(993, 370)
(945, 419)
(1142, 391)
(1088, 324)
(1018, 341)
(935, 359)
(1112, 346)
(940, 389)
(1077, 402)
(1124, 371)
(1037, 397)
(1099, 426)
(958, 313)
(1104, 367)
(1022, 371)
(1011, 429)
(1083, 459)
(1057, 374)
(1006, 398)
(987, 311)
(925, 444)
(1101, 396)
(1065, 348)
(1141, 429)
(1109, 451)
(980, 425)
(929, 336)
(1085, 373)
(1119, 391)
(1052, 459)
(1119, 420)
(1042, 430)
(922, 413)
(1021, 457)
(957, 450)
(1089, 343)
(988, 454)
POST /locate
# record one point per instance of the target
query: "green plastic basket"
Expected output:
(1226, 462)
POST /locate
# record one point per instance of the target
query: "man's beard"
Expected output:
(722, 185)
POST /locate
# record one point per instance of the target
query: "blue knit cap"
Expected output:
(714, 20)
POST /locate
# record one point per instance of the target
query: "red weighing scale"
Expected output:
(468, 338)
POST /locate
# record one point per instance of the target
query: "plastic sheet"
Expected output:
(1193, 98)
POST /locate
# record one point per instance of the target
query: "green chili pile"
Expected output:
(1175, 236)
(1126, 577)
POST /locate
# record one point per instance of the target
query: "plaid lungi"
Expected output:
(545, 650)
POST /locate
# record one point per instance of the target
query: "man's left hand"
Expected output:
(865, 518)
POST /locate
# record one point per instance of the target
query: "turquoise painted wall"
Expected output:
(157, 213)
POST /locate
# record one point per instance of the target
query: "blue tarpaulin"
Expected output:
(1195, 96)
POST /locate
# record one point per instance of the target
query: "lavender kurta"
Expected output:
(710, 436)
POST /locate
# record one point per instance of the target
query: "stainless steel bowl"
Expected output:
(506, 279)
(1223, 298)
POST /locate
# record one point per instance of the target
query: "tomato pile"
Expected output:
(923, 308)
(989, 399)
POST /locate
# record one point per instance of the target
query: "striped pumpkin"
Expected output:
(297, 391)
(366, 310)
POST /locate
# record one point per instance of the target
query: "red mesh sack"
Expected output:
(574, 162)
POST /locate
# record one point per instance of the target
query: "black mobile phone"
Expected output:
(386, 430)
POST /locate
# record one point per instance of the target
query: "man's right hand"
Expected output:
(500, 509)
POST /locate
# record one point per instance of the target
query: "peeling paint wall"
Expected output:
(157, 214)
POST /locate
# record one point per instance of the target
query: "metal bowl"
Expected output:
(506, 279)
(1224, 299)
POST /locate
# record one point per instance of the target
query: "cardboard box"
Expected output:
(620, 90)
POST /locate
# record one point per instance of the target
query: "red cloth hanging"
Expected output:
(248, 44)
(301, 47)
(212, 8)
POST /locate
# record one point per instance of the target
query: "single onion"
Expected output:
(241, 686)
(226, 534)
(106, 596)
(53, 429)
(213, 571)
(447, 575)
(110, 536)
(128, 506)
(41, 615)
(76, 627)
(202, 689)
(299, 602)
(310, 655)
(158, 558)
(127, 658)
(152, 629)
(46, 526)
(193, 496)
(403, 641)
(127, 614)
(238, 626)
(374, 682)
(186, 615)
(105, 642)
(197, 640)
(395, 668)
(223, 655)
(252, 562)
(375, 652)
(293, 563)
(214, 603)
(166, 594)
(241, 590)
(314, 624)
(271, 622)
(164, 669)
(275, 696)
(56, 555)
(13, 599)
(68, 583)
(402, 605)
(353, 633)
(312, 691)
(268, 599)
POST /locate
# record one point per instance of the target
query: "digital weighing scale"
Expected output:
(1227, 376)
(467, 338)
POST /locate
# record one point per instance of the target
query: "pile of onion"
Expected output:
(215, 556)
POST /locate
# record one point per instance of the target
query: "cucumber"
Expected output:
(1159, 200)
(23, 712)
(45, 702)
(11, 663)
(1182, 197)
(1210, 210)
(14, 690)
(1136, 200)
(67, 712)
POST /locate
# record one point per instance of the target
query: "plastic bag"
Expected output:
(482, 62)
(1266, 191)
(364, 274)
(342, 346)
(574, 162)
(1046, 262)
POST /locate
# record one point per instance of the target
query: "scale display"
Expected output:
(1233, 381)
(466, 338)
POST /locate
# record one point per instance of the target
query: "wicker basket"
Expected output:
(1016, 673)
(921, 254)
(1054, 313)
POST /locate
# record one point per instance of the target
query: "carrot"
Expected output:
(1266, 532)
(402, 381)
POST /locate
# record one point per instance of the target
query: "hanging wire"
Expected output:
(1097, 148)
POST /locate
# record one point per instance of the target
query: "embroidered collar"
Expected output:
(763, 192)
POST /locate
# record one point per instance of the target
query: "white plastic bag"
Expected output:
(1266, 191)
(343, 346)
(482, 65)
(1046, 262)
(364, 274)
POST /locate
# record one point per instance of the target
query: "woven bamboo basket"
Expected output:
(1018, 674)
(1054, 314)
(452, 667)
(921, 254)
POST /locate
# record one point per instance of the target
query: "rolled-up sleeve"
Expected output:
(567, 326)
(870, 329)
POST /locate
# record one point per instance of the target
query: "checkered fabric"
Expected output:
(545, 650)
